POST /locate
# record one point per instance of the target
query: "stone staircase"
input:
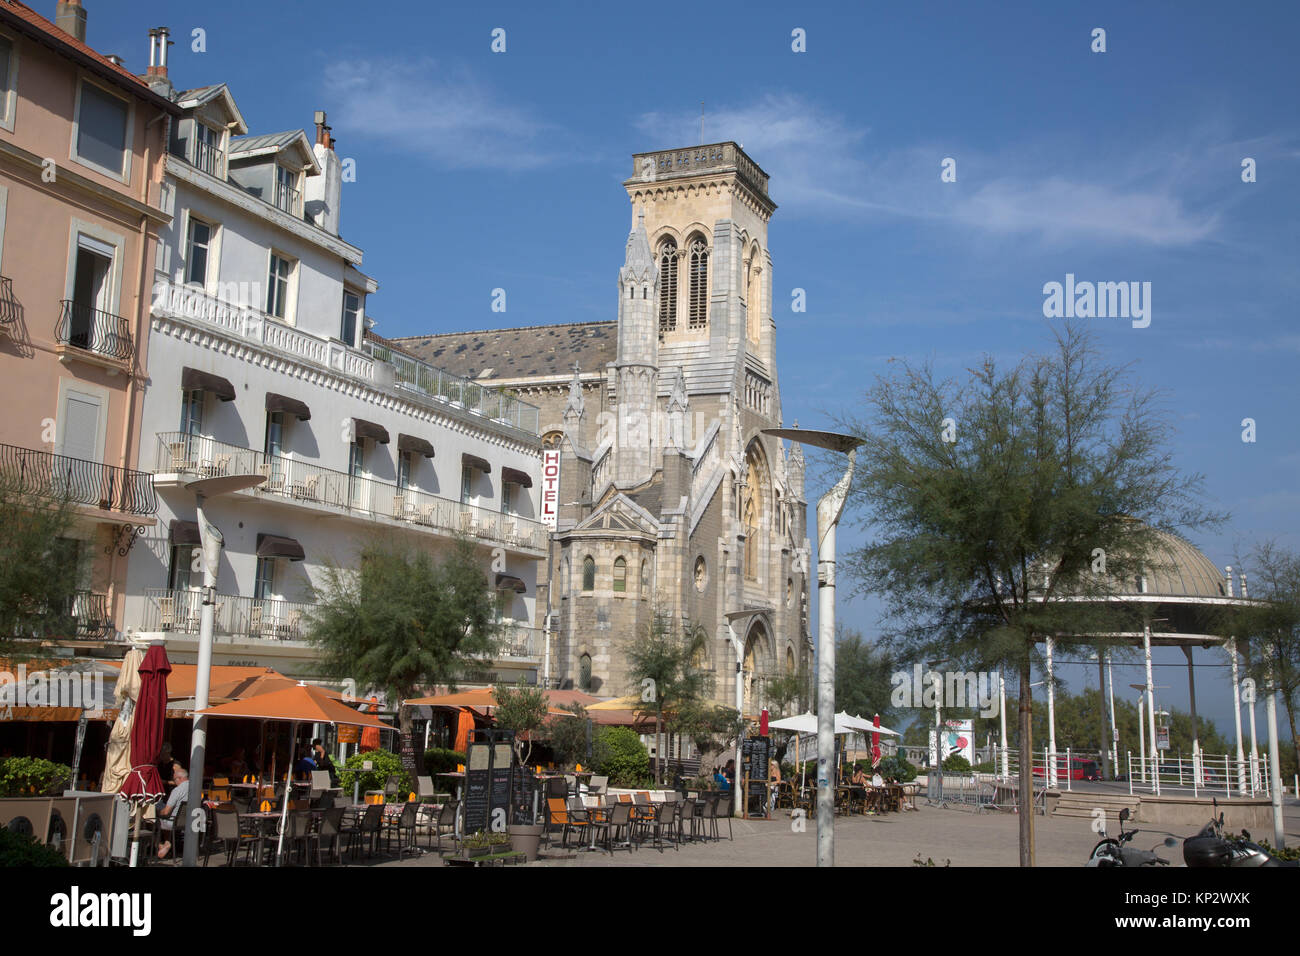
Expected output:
(1079, 803)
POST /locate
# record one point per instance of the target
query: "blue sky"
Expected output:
(478, 170)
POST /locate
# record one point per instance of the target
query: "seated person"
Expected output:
(305, 766)
(172, 810)
(859, 783)
(774, 783)
(238, 767)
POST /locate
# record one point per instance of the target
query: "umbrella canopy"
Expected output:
(142, 784)
(482, 697)
(184, 677)
(860, 724)
(251, 686)
(118, 759)
(630, 702)
(844, 724)
(301, 702)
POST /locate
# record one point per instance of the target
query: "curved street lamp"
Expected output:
(211, 543)
(829, 509)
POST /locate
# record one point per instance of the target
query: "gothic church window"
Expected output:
(699, 302)
(667, 286)
(588, 573)
(701, 574)
(584, 672)
(620, 574)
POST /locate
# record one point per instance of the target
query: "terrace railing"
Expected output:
(81, 481)
(270, 619)
(94, 330)
(297, 480)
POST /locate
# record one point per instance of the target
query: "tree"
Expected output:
(571, 737)
(862, 676)
(662, 671)
(522, 709)
(1269, 633)
(786, 694)
(402, 620)
(38, 573)
(990, 500)
(712, 728)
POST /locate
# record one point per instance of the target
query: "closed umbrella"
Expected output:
(875, 742)
(142, 785)
(370, 735)
(118, 759)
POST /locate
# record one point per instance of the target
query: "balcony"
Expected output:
(10, 310)
(89, 613)
(259, 619)
(449, 389)
(99, 336)
(210, 159)
(518, 642)
(106, 487)
(323, 489)
(286, 199)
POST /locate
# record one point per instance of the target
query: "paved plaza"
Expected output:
(963, 836)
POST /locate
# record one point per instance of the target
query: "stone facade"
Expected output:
(672, 499)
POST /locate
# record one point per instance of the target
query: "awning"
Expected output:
(474, 461)
(515, 476)
(184, 532)
(283, 403)
(192, 378)
(274, 546)
(364, 429)
(411, 443)
(506, 582)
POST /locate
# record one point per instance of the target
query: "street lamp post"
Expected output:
(829, 510)
(211, 543)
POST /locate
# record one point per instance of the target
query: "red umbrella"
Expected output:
(142, 784)
(875, 744)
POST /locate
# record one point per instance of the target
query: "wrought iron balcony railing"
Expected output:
(94, 330)
(9, 311)
(267, 619)
(302, 481)
(209, 159)
(81, 481)
(286, 199)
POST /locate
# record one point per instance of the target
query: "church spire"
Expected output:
(638, 263)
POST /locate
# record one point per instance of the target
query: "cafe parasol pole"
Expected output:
(829, 510)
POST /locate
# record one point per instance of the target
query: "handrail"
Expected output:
(83, 482)
(303, 481)
(94, 330)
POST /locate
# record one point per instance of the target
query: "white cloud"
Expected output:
(823, 166)
(443, 114)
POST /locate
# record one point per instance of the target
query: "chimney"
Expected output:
(323, 193)
(70, 17)
(323, 137)
(156, 76)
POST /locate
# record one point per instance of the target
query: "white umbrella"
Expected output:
(844, 724)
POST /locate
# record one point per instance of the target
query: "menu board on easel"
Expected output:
(478, 784)
(755, 753)
(499, 796)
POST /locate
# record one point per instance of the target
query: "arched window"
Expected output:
(753, 308)
(620, 574)
(699, 310)
(789, 661)
(588, 573)
(584, 672)
(668, 286)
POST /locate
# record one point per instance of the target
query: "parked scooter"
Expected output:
(1113, 852)
(1211, 847)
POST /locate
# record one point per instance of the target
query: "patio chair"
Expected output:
(398, 826)
(722, 808)
(664, 820)
(446, 818)
(166, 613)
(180, 459)
(557, 815)
(274, 476)
(298, 832)
(618, 819)
(598, 785)
(255, 613)
(220, 792)
(580, 817)
(331, 832)
(230, 829)
(366, 829)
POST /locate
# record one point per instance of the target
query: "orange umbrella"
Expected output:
(483, 697)
(301, 703)
(370, 735)
(243, 687)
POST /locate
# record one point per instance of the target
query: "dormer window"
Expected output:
(286, 190)
(208, 155)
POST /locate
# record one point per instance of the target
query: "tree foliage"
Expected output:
(862, 676)
(663, 670)
(522, 709)
(571, 737)
(403, 620)
(38, 575)
(988, 501)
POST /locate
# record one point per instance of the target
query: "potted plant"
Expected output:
(526, 838)
(482, 844)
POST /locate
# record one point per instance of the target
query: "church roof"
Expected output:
(531, 352)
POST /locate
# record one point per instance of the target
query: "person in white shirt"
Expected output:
(173, 808)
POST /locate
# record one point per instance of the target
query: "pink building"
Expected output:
(82, 151)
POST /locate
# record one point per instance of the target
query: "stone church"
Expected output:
(672, 499)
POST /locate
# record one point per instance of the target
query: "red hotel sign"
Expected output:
(550, 487)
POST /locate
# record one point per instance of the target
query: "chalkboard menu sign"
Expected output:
(755, 753)
(410, 762)
(499, 798)
(477, 786)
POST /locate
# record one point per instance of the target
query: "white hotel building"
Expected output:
(261, 361)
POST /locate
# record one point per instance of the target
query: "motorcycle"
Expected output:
(1212, 847)
(1113, 852)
